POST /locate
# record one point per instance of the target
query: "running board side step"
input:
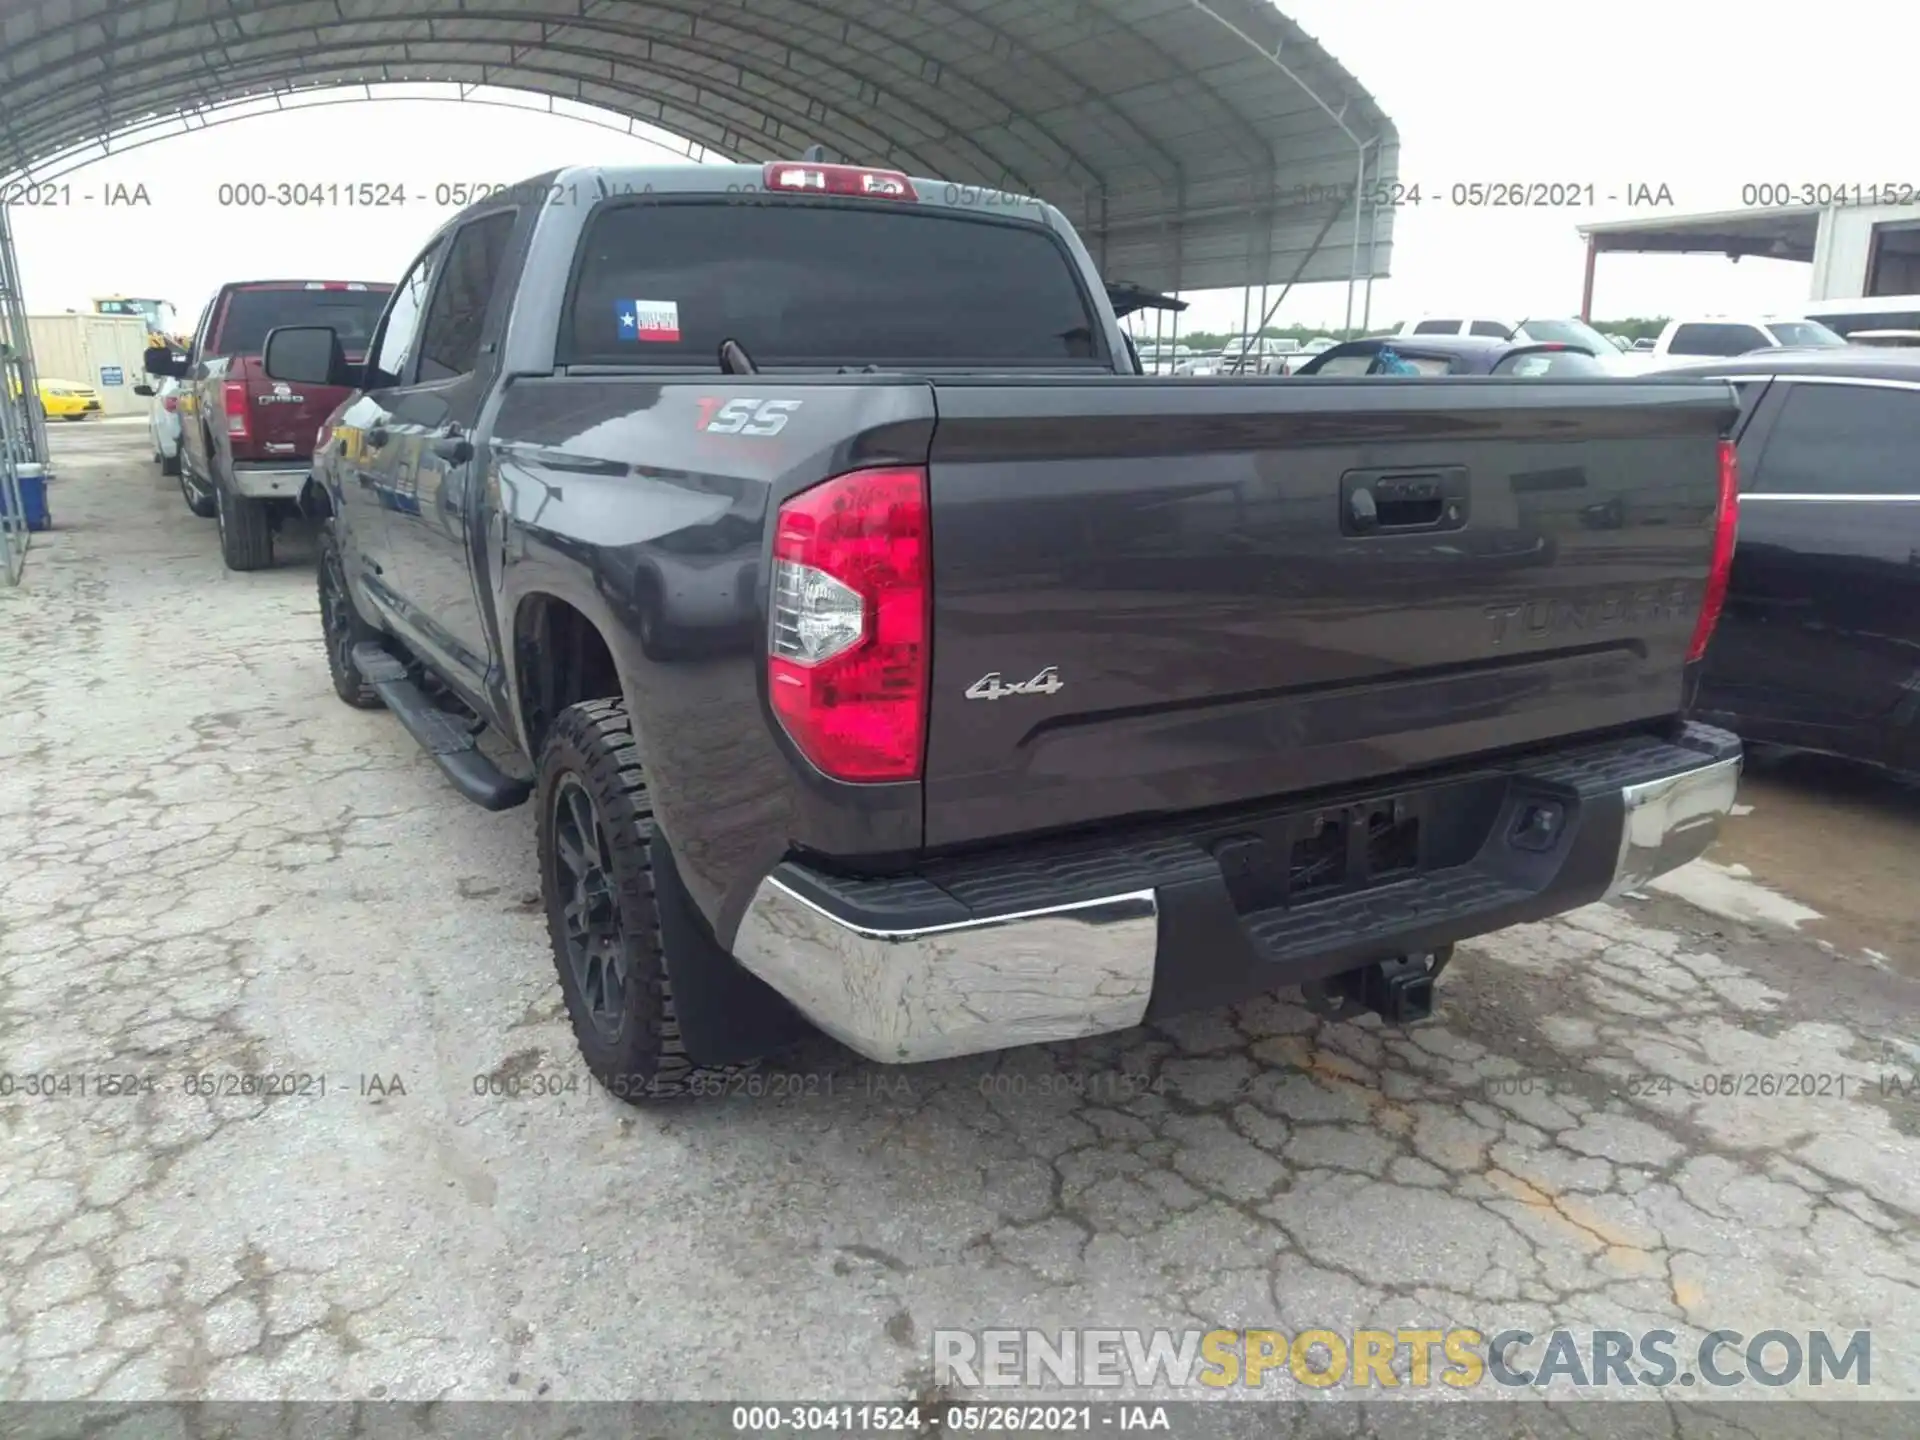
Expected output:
(453, 747)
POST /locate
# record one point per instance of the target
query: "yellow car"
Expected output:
(68, 399)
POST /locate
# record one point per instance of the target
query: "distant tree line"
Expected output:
(1299, 334)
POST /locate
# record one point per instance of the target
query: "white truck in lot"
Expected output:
(1715, 336)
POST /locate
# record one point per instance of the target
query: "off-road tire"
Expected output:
(341, 627)
(590, 746)
(246, 530)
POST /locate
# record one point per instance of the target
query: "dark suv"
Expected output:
(246, 442)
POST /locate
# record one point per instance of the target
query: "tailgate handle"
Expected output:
(1397, 502)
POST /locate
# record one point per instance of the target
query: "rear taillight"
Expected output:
(1726, 523)
(234, 392)
(839, 180)
(848, 645)
(170, 402)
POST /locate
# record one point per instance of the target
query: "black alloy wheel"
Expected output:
(342, 628)
(593, 936)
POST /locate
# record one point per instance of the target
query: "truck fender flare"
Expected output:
(521, 610)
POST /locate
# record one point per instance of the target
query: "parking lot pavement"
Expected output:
(210, 868)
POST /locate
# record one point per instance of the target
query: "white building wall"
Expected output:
(1845, 245)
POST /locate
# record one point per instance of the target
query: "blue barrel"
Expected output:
(33, 497)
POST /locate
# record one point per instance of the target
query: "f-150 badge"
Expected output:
(992, 687)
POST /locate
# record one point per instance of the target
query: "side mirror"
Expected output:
(143, 390)
(164, 360)
(307, 355)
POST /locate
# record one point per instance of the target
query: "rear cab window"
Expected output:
(1398, 364)
(250, 311)
(1576, 333)
(1555, 364)
(1374, 358)
(1701, 338)
(826, 285)
(1805, 333)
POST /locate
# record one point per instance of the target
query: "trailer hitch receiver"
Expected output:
(1399, 991)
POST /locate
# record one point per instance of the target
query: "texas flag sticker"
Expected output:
(648, 319)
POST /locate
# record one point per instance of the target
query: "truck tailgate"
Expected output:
(1168, 595)
(282, 419)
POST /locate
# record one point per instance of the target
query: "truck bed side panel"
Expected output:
(619, 503)
(1176, 552)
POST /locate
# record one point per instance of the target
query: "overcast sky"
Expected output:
(1702, 96)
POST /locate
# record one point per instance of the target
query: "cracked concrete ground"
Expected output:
(209, 866)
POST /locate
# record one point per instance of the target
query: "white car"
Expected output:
(1697, 337)
(163, 423)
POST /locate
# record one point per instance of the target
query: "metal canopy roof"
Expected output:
(1196, 144)
(1785, 233)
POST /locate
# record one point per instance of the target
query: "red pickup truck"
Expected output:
(246, 442)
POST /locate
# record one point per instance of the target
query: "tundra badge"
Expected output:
(992, 687)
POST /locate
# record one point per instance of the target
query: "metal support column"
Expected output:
(23, 429)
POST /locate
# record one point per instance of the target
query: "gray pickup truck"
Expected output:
(885, 654)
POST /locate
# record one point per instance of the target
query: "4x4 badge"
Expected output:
(992, 687)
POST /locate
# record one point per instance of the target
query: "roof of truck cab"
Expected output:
(742, 178)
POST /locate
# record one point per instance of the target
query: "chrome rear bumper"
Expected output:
(904, 993)
(1672, 821)
(271, 480)
(911, 995)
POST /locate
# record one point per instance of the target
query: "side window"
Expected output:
(1843, 440)
(450, 339)
(1490, 328)
(1703, 339)
(387, 363)
(1437, 327)
(199, 345)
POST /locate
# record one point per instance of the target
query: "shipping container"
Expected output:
(103, 351)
